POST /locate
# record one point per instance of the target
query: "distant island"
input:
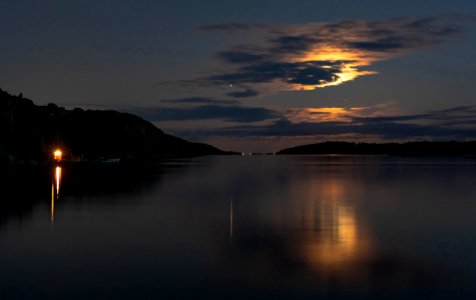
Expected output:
(451, 148)
(29, 134)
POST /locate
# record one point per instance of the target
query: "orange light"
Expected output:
(57, 155)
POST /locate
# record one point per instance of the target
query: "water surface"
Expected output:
(254, 227)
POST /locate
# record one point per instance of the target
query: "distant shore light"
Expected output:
(57, 154)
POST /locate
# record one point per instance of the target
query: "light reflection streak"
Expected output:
(52, 210)
(231, 222)
(55, 190)
(58, 179)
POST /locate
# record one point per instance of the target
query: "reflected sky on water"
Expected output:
(241, 227)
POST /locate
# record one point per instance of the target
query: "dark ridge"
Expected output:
(451, 148)
(29, 133)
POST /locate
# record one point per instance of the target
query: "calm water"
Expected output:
(267, 227)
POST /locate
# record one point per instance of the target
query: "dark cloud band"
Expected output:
(231, 113)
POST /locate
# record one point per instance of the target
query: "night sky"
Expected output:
(253, 75)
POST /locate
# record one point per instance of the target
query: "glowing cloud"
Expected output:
(318, 55)
(341, 114)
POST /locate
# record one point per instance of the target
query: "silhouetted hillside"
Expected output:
(30, 133)
(405, 149)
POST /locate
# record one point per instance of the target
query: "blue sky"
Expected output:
(253, 75)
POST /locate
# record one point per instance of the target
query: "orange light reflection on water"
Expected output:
(55, 189)
(58, 179)
(333, 238)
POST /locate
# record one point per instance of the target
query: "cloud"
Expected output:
(239, 57)
(230, 113)
(386, 44)
(390, 130)
(232, 27)
(302, 73)
(457, 123)
(457, 115)
(199, 100)
(317, 55)
(293, 43)
(243, 94)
